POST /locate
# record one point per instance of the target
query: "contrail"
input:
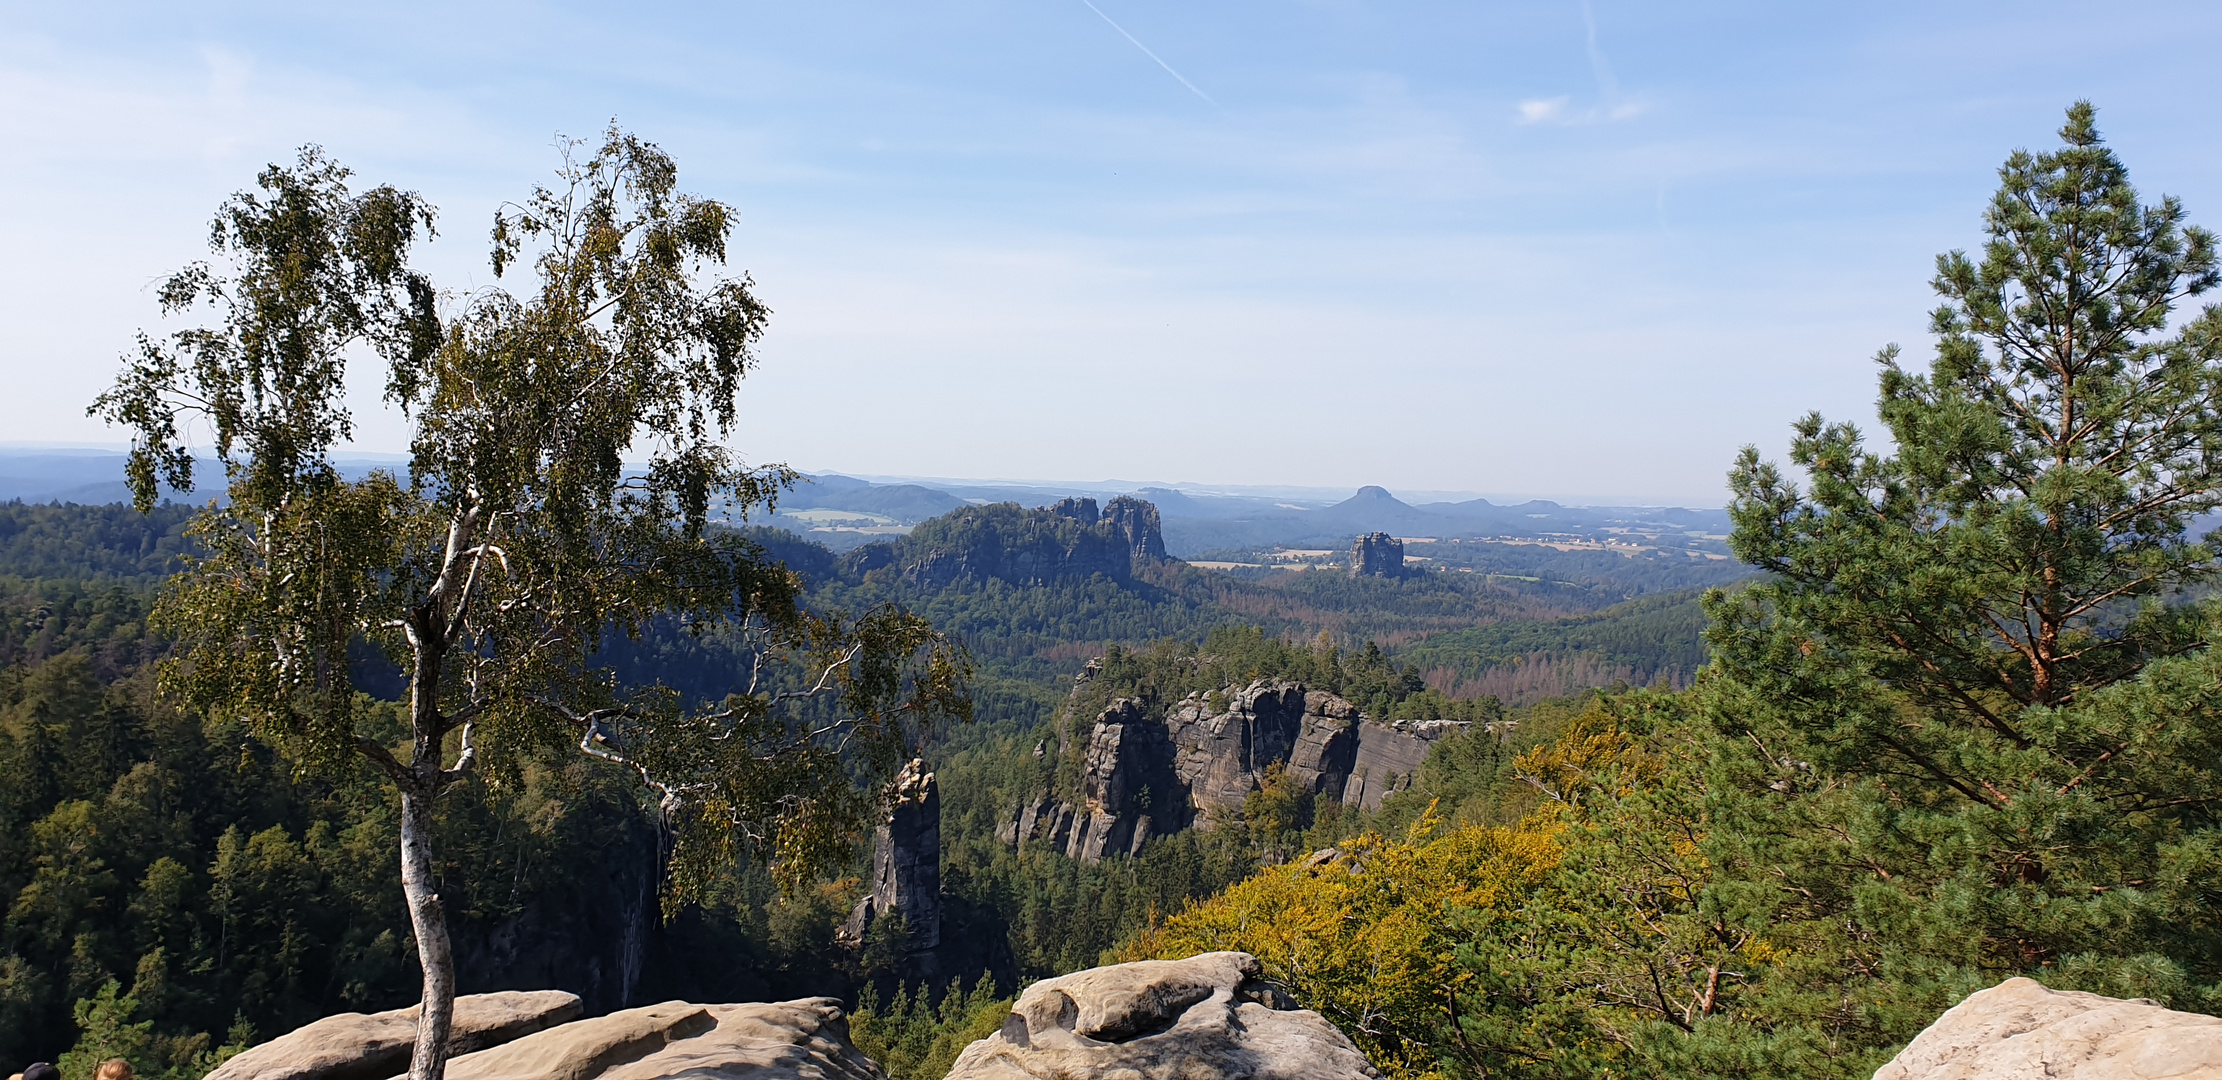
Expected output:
(1597, 65)
(1146, 52)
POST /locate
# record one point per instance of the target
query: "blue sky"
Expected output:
(1578, 250)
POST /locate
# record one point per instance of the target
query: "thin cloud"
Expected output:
(1608, 87)
(1610, 107)
(1146, 52)
(1538, 110)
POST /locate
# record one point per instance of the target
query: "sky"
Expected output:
(1583, 250)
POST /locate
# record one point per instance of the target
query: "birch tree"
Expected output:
(568, 461)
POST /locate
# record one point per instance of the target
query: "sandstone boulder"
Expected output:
(791, 1039)
(370, 1046)
(2020, 1028)
(803, 1040)
(1205, 1017)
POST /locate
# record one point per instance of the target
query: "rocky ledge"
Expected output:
(1203, 1018)
(2019, 1028)
(539, 1036)
(1209, 1017)
(373, 1046)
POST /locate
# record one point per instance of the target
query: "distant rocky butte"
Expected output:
(1007, 542)
(1149, 775)
(1377, 555)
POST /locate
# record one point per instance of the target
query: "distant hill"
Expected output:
(86, 477)
(1373, 509)
(906, 504)
(1193, 522)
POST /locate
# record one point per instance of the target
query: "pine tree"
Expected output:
(1962, 728)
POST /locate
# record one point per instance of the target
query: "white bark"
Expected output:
(428, 917)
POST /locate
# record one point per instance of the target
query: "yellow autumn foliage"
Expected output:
(1367, 938)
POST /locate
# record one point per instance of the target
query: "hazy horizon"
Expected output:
(1312, 493)
(1587, 247)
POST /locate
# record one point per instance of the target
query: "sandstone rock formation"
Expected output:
(1205, 1017)
(1082, 510)
(906, 862)
(2020, 1028)
(791, 1039)
(1135, 521)
(1377, 555)
(1145, 776)
(1008, 542)
(539, 1036)
(372, 1046)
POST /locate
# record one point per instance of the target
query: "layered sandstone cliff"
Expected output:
(1377, 555)
(1146, 774)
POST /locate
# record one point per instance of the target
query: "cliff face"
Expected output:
(1145, 775)
(906, 862)
(1135, 521)
(1377, 555)
(1007, 542)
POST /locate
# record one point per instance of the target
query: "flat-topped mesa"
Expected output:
(1007, 542)
(1145, 775)
(1377, 555)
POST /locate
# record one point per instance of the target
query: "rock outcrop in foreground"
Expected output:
(1145, 775)
(1202, 1018)
(2021, 1029)
(804, 1040)
(373, 1046)
(539, 1036)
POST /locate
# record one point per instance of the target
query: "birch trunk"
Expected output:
(428, 918)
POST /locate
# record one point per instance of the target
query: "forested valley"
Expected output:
(216, 890)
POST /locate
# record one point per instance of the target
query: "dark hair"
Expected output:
(40, 1070)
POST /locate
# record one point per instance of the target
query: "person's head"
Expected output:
(40, 1070)
(113, 1069)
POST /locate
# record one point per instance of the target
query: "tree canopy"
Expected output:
(567, 454)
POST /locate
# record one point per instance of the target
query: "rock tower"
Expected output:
(1377, 555)
(906, 862)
